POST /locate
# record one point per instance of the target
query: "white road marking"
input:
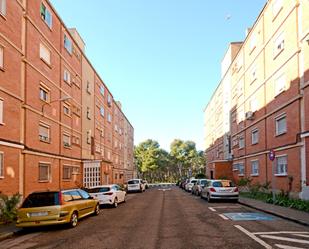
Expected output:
(223, 216)
(212, 209)
(302, 235)
(164, 189)
(285, 239)
(226, 207)
(288, 247)
(252, 236)
(281, 232)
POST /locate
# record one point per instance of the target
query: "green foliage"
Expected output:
(200, 176)
(156, 164)
(244, 181)
(8, 207)
(280, 199)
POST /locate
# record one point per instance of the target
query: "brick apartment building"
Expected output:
(60, 126)
(261, 103)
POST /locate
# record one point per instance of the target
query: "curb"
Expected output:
(4, 236)
(275, 214)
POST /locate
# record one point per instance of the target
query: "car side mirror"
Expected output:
(90, 198)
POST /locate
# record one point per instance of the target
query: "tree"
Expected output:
(184, 154)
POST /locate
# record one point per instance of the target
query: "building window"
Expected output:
(89, 137)
(3, 7)
(235, 167)
(67, 44)
(282, 165)
(253, 74)
(255, 136)
(281, 127)
(46, 15)
(1, 57)
(67, 76)
(252, 42)
(255, 168)
(278, 45)
(109, 118)
(44, 172)
(88, 87)
(66, 110)
(66, 172)
(44, 53)
(277, 5)
(1, 165)
(102, 111)
(280, 84)
(44, 94)
(1, 111)
(109, 100)
(102, 90)
(241, 169)
(44, 132)
(66, 140)
(88, 113)
(241, 142)
(253, 104)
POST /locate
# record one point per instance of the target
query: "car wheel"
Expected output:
(208, 198)
(74, 219)
(115, 203)
(97, 210)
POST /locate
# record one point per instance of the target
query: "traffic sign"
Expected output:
(271, 155)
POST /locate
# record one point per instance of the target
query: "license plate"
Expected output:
(37, 214)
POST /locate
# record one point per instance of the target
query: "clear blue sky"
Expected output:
(160, 58)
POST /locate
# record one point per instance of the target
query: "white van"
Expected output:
(135, 185)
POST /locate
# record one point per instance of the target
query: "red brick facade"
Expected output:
(41, 136)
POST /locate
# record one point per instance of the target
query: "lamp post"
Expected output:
(56, 100)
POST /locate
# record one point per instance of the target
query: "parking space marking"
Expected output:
(302, 235)
(249, 216)
(223, 216)
(281, 232)
(288, 247)
(212, 209)
(252, 236)
(285, 239)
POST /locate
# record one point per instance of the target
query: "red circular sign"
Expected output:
(271, 155)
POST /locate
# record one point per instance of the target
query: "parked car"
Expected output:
(108, 194)
(220, 189)
(198, 186)
(146, 184)
(56, 207)
(189, 185)
(135, 185)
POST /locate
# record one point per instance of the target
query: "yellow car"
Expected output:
(56, 207)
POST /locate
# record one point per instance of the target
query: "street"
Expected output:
(169, 218)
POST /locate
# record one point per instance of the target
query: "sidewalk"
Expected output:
(282, 212)
(7, 231)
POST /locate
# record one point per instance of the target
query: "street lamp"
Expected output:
(56, 100)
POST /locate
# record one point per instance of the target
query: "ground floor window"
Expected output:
(255, 168)
(92, 174)
(282, 165)
(66, 172)
(44, 172)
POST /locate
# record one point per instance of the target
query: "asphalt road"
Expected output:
(169, 219)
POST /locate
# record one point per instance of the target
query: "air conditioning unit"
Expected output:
(250, 115)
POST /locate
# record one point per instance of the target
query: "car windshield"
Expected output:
(133, 182)
(224, 184)
(203, 182)
(193, 181)
(98, 190)
(41, 200)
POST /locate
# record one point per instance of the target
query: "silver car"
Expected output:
(220, 189)
(198, 186)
